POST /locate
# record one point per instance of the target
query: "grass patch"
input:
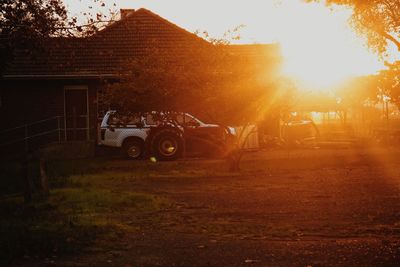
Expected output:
(72, 219)
(62, 173)
(87, 200)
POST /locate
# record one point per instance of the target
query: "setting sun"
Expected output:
(320, 49)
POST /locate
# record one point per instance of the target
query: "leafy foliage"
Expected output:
(379, 20)
(23, 23)
(373, 88)
(31, 19)
(29, 24)
(209, 80)
(389, 82)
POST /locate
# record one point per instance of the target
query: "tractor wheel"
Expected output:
(166, 144)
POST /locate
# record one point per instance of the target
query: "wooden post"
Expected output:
(184, 136)
(87, 127)
(44, 183)
(59, 129)
(387, 114)
(184, 142)
(74, 123)
(387, 122)
(26, 139)
(28, 185)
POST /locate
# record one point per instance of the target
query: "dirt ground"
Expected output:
(322, 207)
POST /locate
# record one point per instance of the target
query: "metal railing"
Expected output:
(35, 135)
(25, 129)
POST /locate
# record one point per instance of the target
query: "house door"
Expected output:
(76, 113)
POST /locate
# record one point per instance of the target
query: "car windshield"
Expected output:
(184, 118)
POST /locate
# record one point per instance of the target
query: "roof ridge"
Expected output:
(150, 13)
(164, 20)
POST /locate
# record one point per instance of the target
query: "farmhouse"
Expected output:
(53, 94)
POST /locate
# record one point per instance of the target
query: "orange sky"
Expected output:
(319, 47)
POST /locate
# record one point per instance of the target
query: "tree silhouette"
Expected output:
(29, 24)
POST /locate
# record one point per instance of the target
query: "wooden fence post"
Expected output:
(74, 123)
(44, 183)
(28, 185)
(59, 129)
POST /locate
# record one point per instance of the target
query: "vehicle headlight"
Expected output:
(231, 130)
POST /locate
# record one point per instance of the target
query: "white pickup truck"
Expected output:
(163, 135)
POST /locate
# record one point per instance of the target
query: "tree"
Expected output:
(210, 80)
(379, 20)
(27, 20)
(32, 19)
(29, 24)
(389, 81)
(24, 22)
(373, 87)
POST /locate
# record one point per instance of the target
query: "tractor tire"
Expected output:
(166, 144)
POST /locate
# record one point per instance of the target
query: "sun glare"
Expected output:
(321, 50)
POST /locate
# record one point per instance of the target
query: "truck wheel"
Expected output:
(133, 149)
(166, 145)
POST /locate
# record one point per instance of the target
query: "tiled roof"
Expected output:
(104, 53)
(261, 54)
